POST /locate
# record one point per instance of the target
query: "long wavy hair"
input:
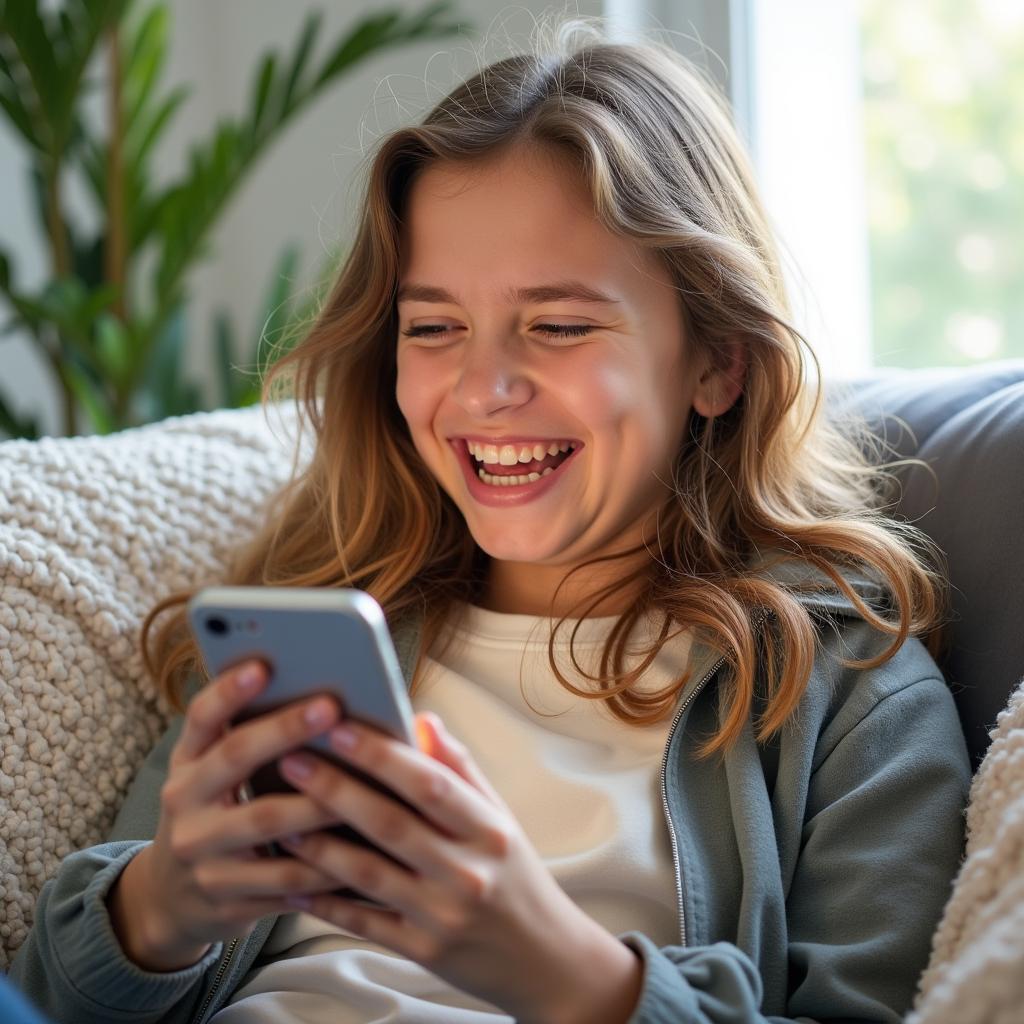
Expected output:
(654, 143)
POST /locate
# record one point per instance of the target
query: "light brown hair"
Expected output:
(655, 145)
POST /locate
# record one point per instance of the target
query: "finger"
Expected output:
(441, 805)
(244, 748)
(445, 748)
(214, 707)
(228, 878)
(214, 831)
(378, 925)
(365, 871)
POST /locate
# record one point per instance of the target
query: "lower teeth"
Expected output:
(511, 480)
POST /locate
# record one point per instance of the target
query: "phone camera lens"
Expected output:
(215, 624)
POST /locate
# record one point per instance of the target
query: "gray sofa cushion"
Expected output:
(968, 426)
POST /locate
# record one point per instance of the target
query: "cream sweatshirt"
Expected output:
(584, 786)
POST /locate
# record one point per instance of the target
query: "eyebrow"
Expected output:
(554, 292)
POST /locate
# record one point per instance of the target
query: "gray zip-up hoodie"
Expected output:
(810, 874)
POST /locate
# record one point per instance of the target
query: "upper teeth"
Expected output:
(510, 454)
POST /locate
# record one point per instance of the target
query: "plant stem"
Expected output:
(69, 408)
(61, 268)
(114, 255)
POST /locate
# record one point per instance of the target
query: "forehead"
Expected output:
(525, 216)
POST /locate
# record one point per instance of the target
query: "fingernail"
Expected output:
(296, 766)
(344, 738)
(319, 713)
(249, 678)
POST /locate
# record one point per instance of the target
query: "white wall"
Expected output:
(303, 189)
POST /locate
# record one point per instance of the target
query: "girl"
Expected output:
(685, 757)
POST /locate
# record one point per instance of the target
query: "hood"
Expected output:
(816, 591)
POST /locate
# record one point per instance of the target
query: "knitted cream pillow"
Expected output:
(94, 530)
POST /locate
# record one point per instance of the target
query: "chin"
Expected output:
(511, 549)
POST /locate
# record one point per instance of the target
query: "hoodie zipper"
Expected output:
(217, 980)
(664, 783)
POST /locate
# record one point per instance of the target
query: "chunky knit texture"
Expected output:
(976, 974)
(93, 531)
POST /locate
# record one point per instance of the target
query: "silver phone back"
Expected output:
(313, 640)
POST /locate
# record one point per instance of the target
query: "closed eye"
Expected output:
(557, 330)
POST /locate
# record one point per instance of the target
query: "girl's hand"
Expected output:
(201, 879)
(475, 905)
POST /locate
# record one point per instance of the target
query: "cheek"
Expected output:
(413, 393)
(419, 393)
(641, 412)
(612, 396)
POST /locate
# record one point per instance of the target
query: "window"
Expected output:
(888, 146)
(943, 109)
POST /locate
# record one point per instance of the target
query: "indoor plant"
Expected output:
(109, 321)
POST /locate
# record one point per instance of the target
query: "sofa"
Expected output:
(94, 529)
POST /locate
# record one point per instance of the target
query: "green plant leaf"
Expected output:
(264, 82)
(92, 398)
(146, 130)
(164, 391)
(53, 49)
(188, 210)
(13, 104)
(31, 44)
(16, 426)
(114, 349)
(87, 261)
(145, 52)
(310, 31)
(223, 346)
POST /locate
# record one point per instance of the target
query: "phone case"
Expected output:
(313, 641)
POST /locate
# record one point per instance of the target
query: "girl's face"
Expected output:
(525, 325)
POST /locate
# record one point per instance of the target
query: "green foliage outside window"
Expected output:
(944, 121)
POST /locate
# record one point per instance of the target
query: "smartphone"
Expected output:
(313, 641)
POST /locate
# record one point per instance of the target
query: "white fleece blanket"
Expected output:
(94, 530)
(976, 974)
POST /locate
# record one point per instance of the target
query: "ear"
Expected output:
(720, 386)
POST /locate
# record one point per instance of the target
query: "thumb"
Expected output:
(439, 743)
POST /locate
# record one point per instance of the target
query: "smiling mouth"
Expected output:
(517, 474)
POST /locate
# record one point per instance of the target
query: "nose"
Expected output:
(492, 379)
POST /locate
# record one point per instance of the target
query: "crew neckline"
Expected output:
(530, 630)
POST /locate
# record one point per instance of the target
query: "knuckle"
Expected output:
(182, 844)
(497, 841)
(452, 919)
(313, 846)
(171, 796)
(235, 746)
(366, 875)
(474, 884)
(427, 949)
(431, 788)
(203, 712)
(205, 877)
(266, 818)
(381, 755)
(355, 920)
(294, 876)
(394, 826)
